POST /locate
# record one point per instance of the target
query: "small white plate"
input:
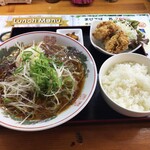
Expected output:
(99, 45)
(78, 32)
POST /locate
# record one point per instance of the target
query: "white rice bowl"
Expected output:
(124, 81)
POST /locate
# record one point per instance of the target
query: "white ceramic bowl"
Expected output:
(99, 45)
(77, 106)
(120, 58)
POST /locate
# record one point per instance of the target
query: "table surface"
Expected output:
(94, 136)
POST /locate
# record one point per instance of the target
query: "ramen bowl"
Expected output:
(123, 81)
(99, 44)
(51, 38)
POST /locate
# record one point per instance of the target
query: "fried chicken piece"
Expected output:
(117, 43)
(105, 30)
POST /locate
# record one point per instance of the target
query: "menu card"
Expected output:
(10, 21)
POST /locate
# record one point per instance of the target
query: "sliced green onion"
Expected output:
(26, 55)
(18, 70)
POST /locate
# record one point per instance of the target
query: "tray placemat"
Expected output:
(97, 109)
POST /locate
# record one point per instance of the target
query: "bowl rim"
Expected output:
(74, 113)
(104, 91)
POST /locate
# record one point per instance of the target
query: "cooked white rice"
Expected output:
(128, 84)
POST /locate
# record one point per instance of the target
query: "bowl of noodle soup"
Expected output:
(46, 79)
